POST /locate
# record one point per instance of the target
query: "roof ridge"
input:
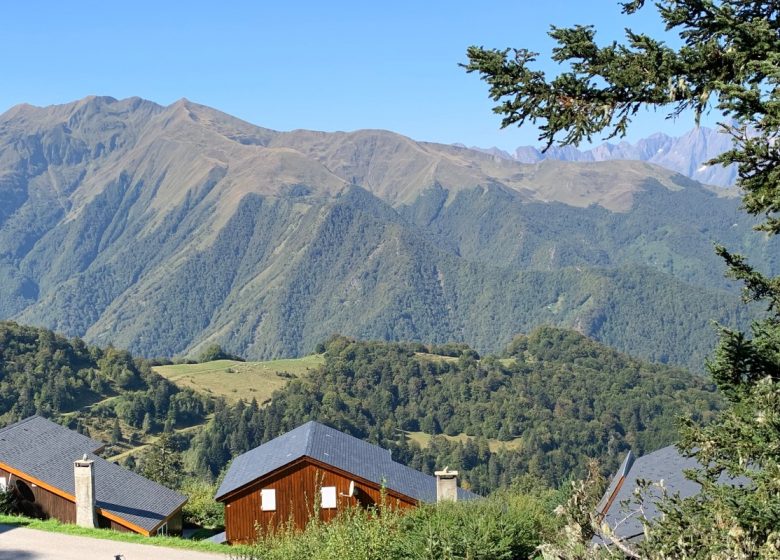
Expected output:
(307, 450)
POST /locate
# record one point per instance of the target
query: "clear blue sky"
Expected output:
(286, 64)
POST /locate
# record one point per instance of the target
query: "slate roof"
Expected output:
(337, 449)
(666, 464)
(45, 450)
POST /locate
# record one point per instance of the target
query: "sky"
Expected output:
(286, 64)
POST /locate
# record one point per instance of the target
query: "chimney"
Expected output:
(84, 478)
(446, 485)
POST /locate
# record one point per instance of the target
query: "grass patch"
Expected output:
(54, 526)
(425, 357)
(240, 380)
(423, 440)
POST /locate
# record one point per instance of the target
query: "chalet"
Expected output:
(619, 508)
(281, 480)
(56, 473)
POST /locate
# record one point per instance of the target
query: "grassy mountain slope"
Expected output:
(162, 229)
(234, 380)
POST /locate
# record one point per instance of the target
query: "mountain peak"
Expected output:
(687, 154)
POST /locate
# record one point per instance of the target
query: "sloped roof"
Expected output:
(337, 449)
(621, 511)
(45, 450)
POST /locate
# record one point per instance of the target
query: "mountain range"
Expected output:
(687, 154)
(164, 229)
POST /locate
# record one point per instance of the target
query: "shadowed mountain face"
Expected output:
(162, 229)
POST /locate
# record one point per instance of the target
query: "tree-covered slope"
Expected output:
(96, 391)
(165, 229)
(555, 399)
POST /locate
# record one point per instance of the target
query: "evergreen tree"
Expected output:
(116, 432)
(163, 463)
(729, 61)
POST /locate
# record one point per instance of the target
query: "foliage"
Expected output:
(86, 387)
(504, 526)
(8, 503)
(729, 521)
(201, 509)
(564, 396)
(728, 61)
(215, 352)
(162, 462)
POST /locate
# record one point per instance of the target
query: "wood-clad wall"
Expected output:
(50, 505)
(295, 487)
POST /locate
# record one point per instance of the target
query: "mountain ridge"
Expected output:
(160, 229)
(687, 154)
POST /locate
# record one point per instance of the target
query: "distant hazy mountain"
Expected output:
(161, 229)
(686, 154)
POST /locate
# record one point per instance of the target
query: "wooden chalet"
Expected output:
(56, 473)
(281, 481)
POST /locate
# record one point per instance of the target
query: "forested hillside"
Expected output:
(553, 400)
(166, 229)
(104, 393)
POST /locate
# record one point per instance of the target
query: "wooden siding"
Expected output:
(47, 504)
(296, 485)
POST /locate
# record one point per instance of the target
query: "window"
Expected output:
(3, 484)
(328, 494)
(268, 499)
(163, 529)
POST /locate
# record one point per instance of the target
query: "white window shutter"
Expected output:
(328, 494)
(268, 499)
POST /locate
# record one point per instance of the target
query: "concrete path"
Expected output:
(20, 543)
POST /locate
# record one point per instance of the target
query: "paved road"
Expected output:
(20, 543)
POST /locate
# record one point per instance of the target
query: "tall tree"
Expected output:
(729, 62)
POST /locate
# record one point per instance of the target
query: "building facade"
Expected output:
(316, 471)
(40, 462)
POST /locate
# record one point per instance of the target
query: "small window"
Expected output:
(268, 499)
(3, 484)
(328, 497)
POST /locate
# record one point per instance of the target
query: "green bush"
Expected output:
(201, 509)
(8, 504)
(504, 526)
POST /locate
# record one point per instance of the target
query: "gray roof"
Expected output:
(45, 450)
(337, 449)
(668, 465)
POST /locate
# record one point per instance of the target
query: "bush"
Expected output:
(215, 352)
(504, 526)
(8, 503)
(201, 509)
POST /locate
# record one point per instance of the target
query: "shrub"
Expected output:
(506, 525)
(201, 509)
(8, 503)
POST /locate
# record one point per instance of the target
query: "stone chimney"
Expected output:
(446, 485)
(84, 478)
